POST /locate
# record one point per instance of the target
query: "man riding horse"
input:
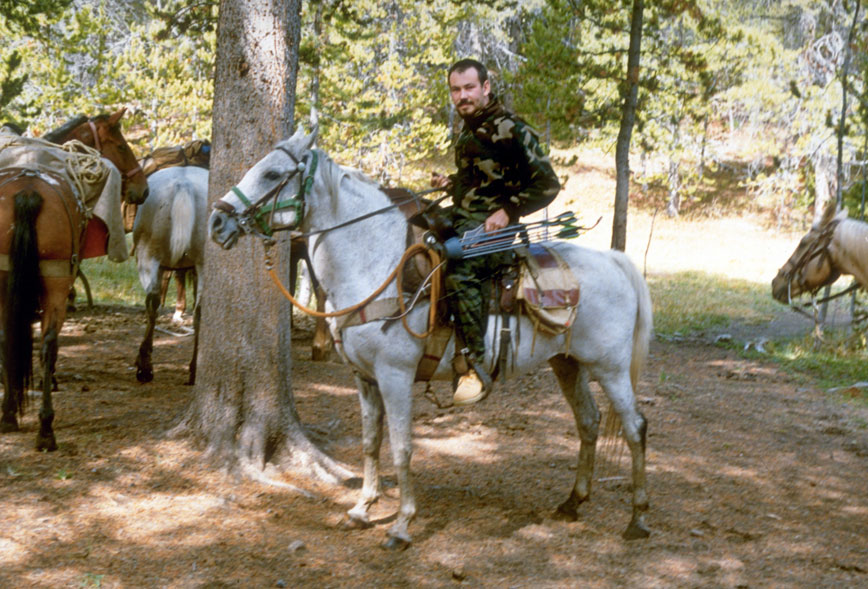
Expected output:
(503, 174)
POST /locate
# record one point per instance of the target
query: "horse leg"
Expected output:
(620, 392)
(144, 367)
(398, 401)
(164, 288)
(573, 380)
(54, 314)
(45, 439)
(372, 438)
(181, 299)
(197, 317)
(9, 421)
(322, 339)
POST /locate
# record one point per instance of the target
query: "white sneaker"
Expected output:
(469, 390)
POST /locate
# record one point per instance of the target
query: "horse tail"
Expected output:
(183, 220)
(23, 289)
(644, 317)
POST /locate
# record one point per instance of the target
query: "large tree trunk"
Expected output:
(628, 118)
(243, 410)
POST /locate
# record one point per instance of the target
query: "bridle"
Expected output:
(98, 146)
(257, 218)
(818, 249)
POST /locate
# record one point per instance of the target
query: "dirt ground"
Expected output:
(755, 479)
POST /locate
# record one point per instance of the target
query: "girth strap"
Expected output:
(47, 268)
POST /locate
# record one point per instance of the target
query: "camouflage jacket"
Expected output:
(500, 165)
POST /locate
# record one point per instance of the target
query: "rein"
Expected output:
(395, 275)
(820, 248)
(256, 212)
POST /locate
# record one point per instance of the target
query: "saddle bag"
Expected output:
(548, 290)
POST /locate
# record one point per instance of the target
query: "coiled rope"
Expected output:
(396, 275)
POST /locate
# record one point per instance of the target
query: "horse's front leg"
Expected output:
(398, 399)
(181, 298)
(372, 438)
(573, 380)
(45, 439)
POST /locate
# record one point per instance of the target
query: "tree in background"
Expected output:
(17, 20)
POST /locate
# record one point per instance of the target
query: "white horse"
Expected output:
(354, 248)
(168, 235)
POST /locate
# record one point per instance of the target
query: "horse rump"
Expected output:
(23, 289)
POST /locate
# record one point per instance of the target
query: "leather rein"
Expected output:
(819, 249)
(256, 213)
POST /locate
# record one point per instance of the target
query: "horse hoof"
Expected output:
(566, 513)
(353, 523)
(46, 443)
(144, 376)
(637, 530)
(395, 544)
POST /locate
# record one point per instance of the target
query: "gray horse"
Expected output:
(169, 235)
(358, 238)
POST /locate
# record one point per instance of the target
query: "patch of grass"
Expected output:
(693, 301)
(840, 361)
(111, 283)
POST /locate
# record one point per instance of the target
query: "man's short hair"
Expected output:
(463, 65)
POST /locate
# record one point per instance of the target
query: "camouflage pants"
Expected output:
(468, 288)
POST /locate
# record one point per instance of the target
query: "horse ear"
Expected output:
(117, 116)
(828, 215)
(313, 135)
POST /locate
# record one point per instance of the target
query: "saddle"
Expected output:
(538, 284)
(193, 153)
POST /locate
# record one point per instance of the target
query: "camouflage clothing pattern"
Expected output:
(500, 165)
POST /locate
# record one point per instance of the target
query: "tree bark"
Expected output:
(628, 118)
(243, 409)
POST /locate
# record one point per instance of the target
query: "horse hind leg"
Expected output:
(45, 440)
(573, 381)
(635, 427)
(197, 319)
(144, 366)
(54, 314)
(372, 438)
(9, 420)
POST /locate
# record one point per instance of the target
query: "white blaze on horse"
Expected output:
(835, 245)
(169, 235)
(357, 238)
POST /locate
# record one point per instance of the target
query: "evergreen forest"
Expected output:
(784, 80)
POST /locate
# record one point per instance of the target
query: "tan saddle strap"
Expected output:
(47, 268)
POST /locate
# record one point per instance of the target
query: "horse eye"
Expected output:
(272, 175)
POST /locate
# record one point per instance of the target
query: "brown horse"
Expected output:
(103, 133)
(43, 233)
(835, 245)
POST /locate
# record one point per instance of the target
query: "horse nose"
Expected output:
(216, 224)
(222, 229)
(145, 194)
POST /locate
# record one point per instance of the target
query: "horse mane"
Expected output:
(335, 172)
(57, 135)
(853, 235)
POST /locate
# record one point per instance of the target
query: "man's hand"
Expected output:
(498, 220)
(439, 180)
